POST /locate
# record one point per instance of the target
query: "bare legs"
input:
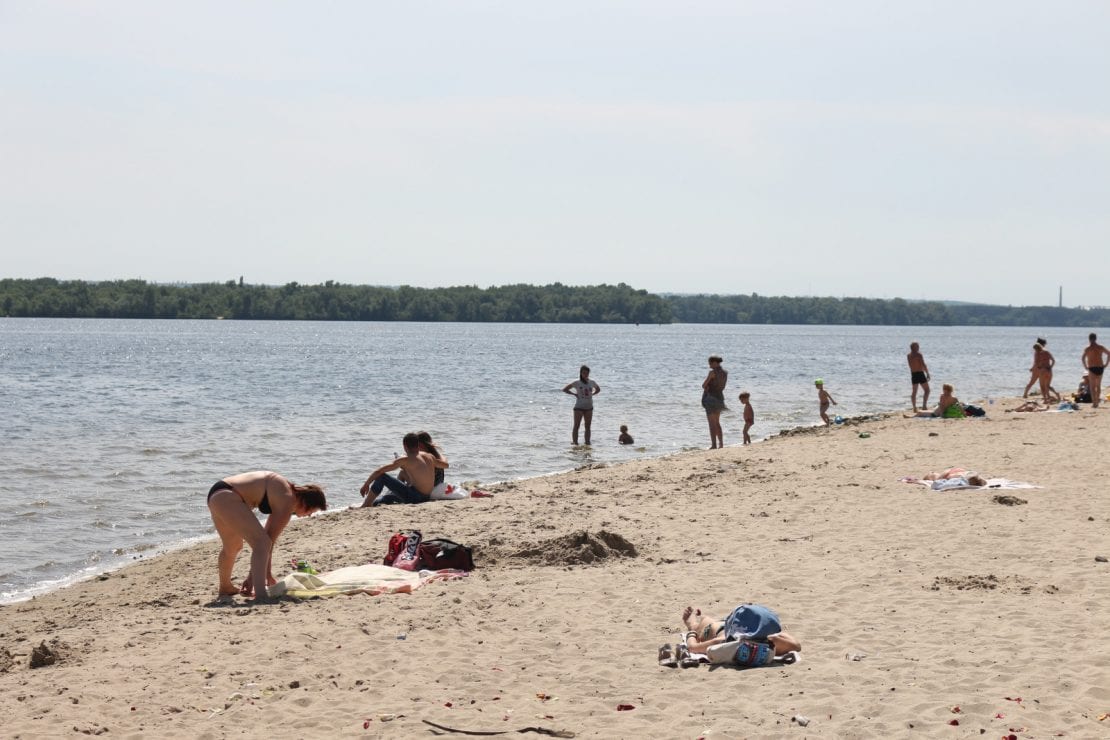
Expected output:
(924, 399)
(1033, 376)
(716, 436)
(1047, 393)
(580, 415)
(235, 524)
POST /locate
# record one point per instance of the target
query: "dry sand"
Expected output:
(945, 600)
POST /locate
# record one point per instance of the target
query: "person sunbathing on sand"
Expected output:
(703, 632)
(230, 502)
(1031, 406)
(948, 406)
(973, 478)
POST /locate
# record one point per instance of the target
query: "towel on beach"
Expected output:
(373, 579)
(960, 483)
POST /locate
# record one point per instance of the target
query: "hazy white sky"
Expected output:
(946, 150)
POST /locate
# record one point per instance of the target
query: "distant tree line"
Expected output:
(555, 303)
(757, 309)
(137, 299)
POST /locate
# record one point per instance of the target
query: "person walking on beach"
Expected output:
(1043, 361)
(584, 391)
(1095, 359)
(749, 415)
(824, 398)
(919, 375)
(419, 468)
(231, 502)
(713, 400)
(1035, 372)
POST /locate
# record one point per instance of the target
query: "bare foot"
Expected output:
(689, 612)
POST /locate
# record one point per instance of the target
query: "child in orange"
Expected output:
(749, 416)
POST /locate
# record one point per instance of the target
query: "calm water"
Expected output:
(114, 430)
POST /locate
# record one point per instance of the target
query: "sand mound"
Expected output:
(53, 654)
(1009, 500)
(578, 548)
(6, 660)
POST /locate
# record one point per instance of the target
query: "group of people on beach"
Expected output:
(232, 501)
(1094, 357)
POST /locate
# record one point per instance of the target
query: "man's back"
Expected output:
(420, 467)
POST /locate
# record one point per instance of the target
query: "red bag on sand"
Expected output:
(403, 551)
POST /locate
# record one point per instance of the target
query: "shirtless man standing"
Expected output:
(1095, 359)
(419, 467)
(919, 376)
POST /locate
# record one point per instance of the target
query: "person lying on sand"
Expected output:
(973, 478)
(1030, 406)
(231, 502)
(704, 632)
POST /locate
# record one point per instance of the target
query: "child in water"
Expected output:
(825, 399)
(625, 438)
(749, 415)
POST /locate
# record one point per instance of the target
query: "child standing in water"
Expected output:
(749, 415)
(825, 399)
(625, 438)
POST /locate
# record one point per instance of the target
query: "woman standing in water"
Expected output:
(713, 400)
(584, 391)
(231, 502)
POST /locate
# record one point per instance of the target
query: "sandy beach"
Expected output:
(919, 612)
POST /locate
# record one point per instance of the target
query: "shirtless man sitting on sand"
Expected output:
(1095, 359)
(419, 468)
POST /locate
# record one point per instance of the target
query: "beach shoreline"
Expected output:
(910, 604)
(163, 548)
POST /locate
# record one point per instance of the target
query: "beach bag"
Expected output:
(974, 410)
(439, 554)
(743, 653)
(403, 551)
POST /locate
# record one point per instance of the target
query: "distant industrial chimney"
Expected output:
(1061, 296)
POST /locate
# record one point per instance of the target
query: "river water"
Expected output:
(115, 429)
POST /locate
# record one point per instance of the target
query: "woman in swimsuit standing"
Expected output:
(231, 502)
(713, 400)
(1043, 361)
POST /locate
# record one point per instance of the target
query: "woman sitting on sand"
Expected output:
(948, 406)
(231, 502)
(749, 621)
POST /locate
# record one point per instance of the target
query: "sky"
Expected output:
(923, 150)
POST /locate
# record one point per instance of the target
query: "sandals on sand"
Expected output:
(684, 658)
(666, 657)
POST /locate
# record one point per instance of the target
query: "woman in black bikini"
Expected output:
(231, 502)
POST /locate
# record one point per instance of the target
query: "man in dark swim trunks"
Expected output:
(919, 376)
(1095, 359)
